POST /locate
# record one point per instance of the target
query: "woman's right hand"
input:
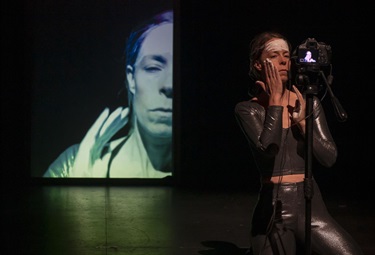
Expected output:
(272, 84)
(88, 161)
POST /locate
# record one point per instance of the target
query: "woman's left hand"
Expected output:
(299, 112)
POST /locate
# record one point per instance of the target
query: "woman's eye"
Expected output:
(152, 69)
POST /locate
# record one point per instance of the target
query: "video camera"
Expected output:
(312, 55)
(311, 60)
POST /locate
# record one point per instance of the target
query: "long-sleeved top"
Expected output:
(281, 151)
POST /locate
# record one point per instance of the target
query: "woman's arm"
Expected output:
(324, 147)
(263, 129)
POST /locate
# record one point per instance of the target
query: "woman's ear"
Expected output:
(258, 65)
(130, 79)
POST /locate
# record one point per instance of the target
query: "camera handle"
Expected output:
(339, 110)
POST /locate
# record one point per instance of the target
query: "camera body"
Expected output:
(312, 55)
(311, 59)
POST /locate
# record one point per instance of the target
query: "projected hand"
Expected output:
(88, 161)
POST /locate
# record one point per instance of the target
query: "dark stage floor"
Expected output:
(148, 220)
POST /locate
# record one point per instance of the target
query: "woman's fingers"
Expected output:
(262, 85)
(95, 128)
(91, 147)
(299, 95)
(117, 120)
(273, 80)
(110, 120)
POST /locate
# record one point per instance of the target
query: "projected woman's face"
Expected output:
(150, 82)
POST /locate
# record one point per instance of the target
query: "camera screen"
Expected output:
(306, 56)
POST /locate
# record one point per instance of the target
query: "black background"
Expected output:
(49, 45)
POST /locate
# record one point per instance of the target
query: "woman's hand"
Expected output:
(88, 161)
(299, 111)
(273, 84)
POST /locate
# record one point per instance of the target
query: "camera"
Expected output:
(312, 59)
(312, 55)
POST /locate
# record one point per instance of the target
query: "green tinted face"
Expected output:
(151, 82)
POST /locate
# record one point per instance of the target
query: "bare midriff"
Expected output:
(286, 178)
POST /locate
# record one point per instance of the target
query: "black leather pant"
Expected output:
(278, 223)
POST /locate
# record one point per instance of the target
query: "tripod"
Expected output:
(311, 90)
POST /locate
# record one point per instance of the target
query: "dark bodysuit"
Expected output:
(278, 222)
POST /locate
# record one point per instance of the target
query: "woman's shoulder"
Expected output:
(247, 105)
(249, 108)
(61, 166)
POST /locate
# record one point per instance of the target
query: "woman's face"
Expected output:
(308, 55)
(150, 82)
(277, 51)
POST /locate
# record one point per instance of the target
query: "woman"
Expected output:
(273, 121)
(308, 58)
(146, 152)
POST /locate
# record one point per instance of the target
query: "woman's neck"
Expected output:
(159, 150)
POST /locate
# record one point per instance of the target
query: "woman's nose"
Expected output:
(167, 85)
(284, 60)
(167, 91)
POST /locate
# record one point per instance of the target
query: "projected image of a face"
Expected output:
(146, 150)
(150, 83)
